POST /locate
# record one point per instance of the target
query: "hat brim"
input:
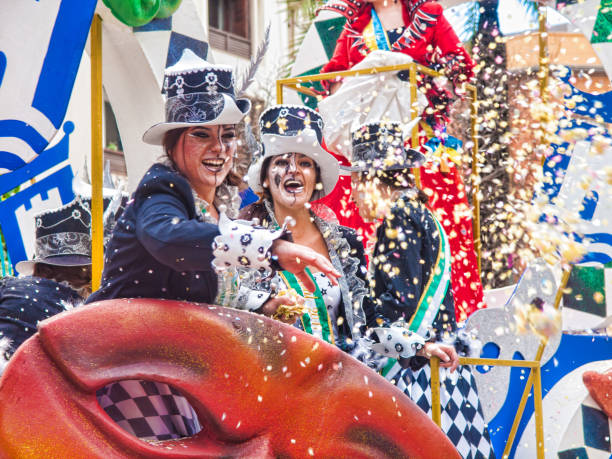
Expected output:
(417, 159)
(26, 267)
(232, 113)
(304, 143)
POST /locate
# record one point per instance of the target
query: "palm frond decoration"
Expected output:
(300, 14)
(249, 74)
(530, 7)
(464, 19)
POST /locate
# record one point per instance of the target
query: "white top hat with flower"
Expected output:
(198, 94)
(294, 129)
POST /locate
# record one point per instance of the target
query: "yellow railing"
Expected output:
(533, 380)
(297, 84)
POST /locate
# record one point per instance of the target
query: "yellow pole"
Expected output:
(279, 91)
(414, 112)
(543, 46)
(538, 358)
(537, 407)
(436, 414)
(519, 415)
(97, 225)
(475, 177)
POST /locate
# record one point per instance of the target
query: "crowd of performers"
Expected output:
(183, 236)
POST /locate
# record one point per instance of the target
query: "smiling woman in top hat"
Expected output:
(174, 229)
(410, 280)
(293, 171)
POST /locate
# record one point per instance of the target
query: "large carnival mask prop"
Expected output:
(260, 388)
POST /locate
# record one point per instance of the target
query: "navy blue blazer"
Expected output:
(160, 248)
(24, 301)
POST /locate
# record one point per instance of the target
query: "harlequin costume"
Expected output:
(429, 40)
(411, 294)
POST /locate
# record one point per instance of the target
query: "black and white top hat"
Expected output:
(198, 93)
(381, 146)
(294, 129)
(63, 237)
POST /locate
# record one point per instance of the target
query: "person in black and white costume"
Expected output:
(410, 310)
(294, 170)
(173, 236)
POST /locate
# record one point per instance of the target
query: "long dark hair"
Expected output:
(169, 143)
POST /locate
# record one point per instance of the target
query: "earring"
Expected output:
(264, 185)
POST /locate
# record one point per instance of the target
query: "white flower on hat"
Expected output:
(211, 80)
(76, 213)
(179, 83)
(283, 112)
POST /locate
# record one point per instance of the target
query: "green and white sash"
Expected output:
(432, 296)
(316, 320)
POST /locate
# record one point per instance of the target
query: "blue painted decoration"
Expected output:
(48, 58)
(573, 352)
(60, 180)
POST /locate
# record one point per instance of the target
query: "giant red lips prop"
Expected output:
(260, 388)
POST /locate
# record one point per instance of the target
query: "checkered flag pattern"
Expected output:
(149, 410)
(462, 418)
(588, 434)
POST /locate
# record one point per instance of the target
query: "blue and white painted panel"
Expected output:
(40, 50)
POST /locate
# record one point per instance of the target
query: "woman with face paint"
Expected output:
(293, 171)
(410, 309)
(174, 230)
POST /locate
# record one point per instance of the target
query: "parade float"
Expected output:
(545, 391)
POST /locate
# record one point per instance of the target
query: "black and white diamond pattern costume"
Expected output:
(462, 417)
(399, 272)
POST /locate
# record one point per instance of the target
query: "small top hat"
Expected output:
(63, 236)
(198, 93)
(294, 129)
(380, 146)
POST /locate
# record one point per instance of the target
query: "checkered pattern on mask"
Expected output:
(149, 410)
(462, 418)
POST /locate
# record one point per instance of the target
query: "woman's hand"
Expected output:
(271, 306)
(295, 257)
(447, 354)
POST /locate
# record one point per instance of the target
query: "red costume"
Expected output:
(430, 40)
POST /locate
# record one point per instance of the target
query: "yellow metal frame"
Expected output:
(534, 379)
(296, 84)
(97, 206)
